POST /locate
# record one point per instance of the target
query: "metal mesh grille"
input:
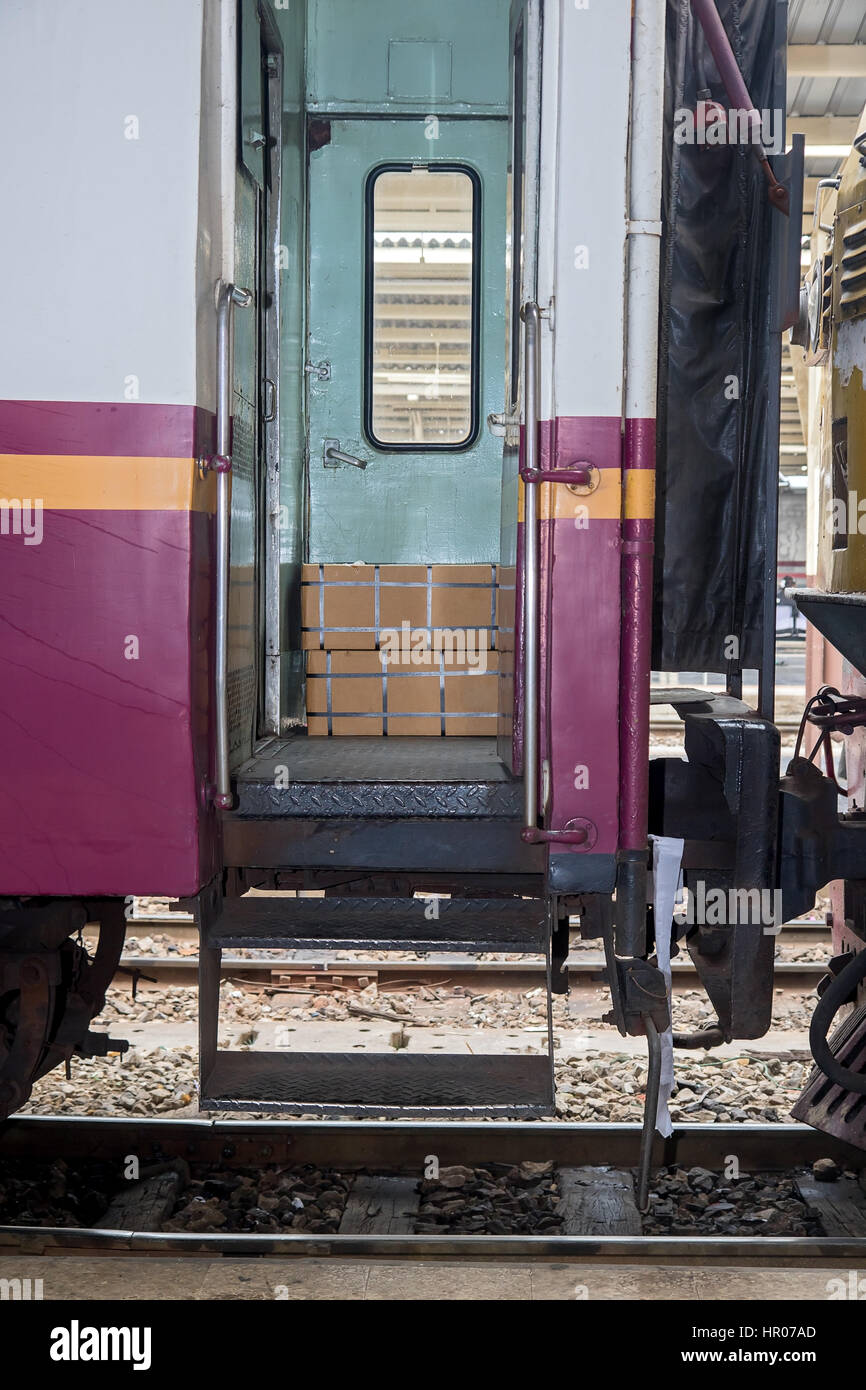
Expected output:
(241, 705)
(243, 439)
(242, 683)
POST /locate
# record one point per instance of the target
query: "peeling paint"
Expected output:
(851, 350)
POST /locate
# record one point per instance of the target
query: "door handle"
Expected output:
(333, 455)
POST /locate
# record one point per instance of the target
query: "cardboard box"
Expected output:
(349, 607)
(356, 692)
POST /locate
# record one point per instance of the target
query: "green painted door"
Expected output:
(405, 350)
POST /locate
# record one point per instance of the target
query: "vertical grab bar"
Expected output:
(530, 315)
(532, 476)
(227, 297)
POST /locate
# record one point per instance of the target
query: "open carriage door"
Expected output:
(521, 263)
(252, 636)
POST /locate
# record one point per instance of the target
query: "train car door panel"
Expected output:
(406, 339)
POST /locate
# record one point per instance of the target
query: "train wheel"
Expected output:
(51, 988)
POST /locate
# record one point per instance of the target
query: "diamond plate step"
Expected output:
(351, 1083)
(399, 924)
(373, 777)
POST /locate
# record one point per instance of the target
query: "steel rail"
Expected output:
(591, 967)
(397, 1145)
(834, 1251)
(403, 1146)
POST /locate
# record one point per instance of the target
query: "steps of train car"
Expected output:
(397, 1082)
(398, 924)
(301, 776)
(438, 1085)
(356, 803)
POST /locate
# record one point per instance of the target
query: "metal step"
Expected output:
(351, 1083)
(398, 924)
(366, 777)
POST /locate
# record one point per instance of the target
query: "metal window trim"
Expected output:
(415, 446)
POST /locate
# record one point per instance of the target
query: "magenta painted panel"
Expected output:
(580, 640)
(583, 679)
(132, 429)
(100, 761)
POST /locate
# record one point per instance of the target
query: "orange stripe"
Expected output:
(640, 494)
(557, 502)
(75, 482)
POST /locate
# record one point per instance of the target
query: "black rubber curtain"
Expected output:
(718, 359)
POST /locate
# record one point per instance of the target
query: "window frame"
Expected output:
(405, 166)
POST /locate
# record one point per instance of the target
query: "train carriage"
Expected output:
(358, 468)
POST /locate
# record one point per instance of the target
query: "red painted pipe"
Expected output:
(723, 56)
(636, 648)
(738, 93)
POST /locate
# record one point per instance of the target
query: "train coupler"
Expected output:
(641, 994)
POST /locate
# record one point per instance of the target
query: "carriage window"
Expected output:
(422, 307)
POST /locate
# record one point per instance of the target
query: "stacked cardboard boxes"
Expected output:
(400, 649)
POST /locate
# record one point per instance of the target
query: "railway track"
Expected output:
(292, 969)
(509, 974)
(585, 967)
(384, 1162)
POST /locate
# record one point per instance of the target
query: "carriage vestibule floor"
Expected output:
(377, 759)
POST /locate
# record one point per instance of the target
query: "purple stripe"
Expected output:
(581, 439)
(131, 430)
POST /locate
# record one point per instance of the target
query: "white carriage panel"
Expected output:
(590, 153)
(99, 106)
(216, 182)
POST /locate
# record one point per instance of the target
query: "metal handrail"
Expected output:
(228, 296)
(532, 475)
(530, 315)
(816, 214)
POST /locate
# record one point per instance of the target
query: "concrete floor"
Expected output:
(345, 1034)
(201, 1279)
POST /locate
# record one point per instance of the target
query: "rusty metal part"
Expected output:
(826, 1105)
(27, 988)
(704, 1037)
(840, 990)
(735, 964)
(51, 990)
(650, 1108)
(644, 996)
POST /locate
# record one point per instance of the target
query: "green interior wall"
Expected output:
(402, 55)
(355, 56)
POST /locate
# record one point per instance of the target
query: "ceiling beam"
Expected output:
(823, 130)
(827, 60)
